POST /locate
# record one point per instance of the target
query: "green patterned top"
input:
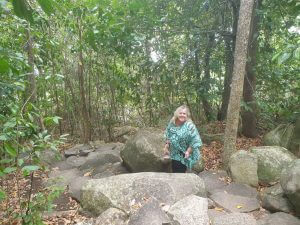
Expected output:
(182, 137)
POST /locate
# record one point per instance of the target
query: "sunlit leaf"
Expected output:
(10, 150)
(284, 57)
(8, 170)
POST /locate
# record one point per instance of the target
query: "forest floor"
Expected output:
(68, 207)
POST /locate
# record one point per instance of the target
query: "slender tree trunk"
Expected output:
(229, 59)
(240, 58)
(206, 105)
(228, 77)
(249, 128)
(86, 124)
(31, 93)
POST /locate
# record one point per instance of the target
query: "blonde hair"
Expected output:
(176, 113)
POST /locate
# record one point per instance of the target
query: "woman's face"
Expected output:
(182, 116)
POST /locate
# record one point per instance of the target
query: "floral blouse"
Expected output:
(182, 137)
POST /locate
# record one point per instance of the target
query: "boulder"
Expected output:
(280, 136)
(216, 212)
(271, 161)
(243, 168)
(51, 157)
(76, 185)
(112, 216)
(191, 210)
(79, 149)
(100, 158)
(274, 200)
(238, 189)
(75, 161)
(63, 178)
(213, 180)
(290, 183)
(125, 191)
(149, 214)
(121, 133)
(285, 135)
(234, 219)
(113, 168)
(294, 146)
(199, 165)
(144, 151)
(235, 203)
(279, 218)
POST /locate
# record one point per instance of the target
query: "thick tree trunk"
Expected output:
(249, 128)
(240, 59)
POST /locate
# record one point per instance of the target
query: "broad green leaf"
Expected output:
(3, 137)
(10, 150)
(30, 168)
(20, 162)
(297, 53)
(4, 66)
(284, 57)
(276, 56)
(47, 6)
(22, 10)
(10, 124)
(2, 161)
(9, 170)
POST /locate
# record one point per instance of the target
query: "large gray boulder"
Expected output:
(271, 161)
(280, 136)
(285, 135)
(99, 158)
(112, 216)
(62, 178)
(235, 203)
(191, 210)
(294, 146)
(290, 182)
(274, 200)
(243, 168)
(279, 218)
(79, 150)
(213, 180)
(125, 191)
(234, 219)
(149, 214)
(144, 151)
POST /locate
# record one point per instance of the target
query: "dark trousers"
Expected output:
(178, 167)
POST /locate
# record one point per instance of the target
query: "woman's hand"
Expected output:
(188, 153)
(166, 148)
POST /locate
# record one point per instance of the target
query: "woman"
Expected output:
(182, 141)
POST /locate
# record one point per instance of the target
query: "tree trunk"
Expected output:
(206, 105)
(249, 128)
(229, 60)
(228, 78)
(240, 59)
(31, 92)
(85, 119)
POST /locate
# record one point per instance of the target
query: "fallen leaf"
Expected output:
(239, 206)
(219, 209)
